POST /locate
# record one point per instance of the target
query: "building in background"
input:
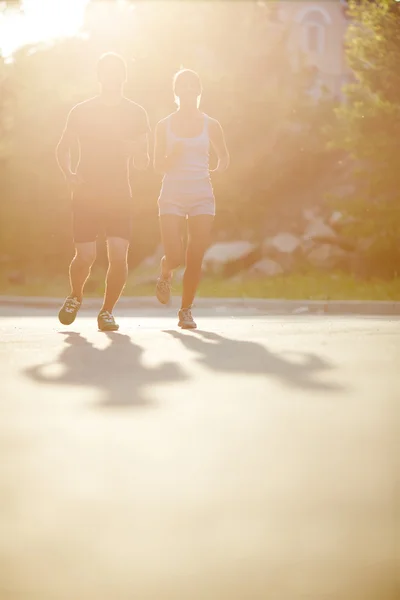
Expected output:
(316, 38)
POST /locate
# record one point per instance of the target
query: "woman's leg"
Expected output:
(172, 227)
(199, 238)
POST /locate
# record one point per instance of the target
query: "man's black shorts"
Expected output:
(91, 223)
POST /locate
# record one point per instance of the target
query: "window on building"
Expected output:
(314, 26)
(313, 34)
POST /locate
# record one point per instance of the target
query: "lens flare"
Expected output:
(39, 21)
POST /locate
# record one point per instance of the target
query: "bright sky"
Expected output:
(40, 21)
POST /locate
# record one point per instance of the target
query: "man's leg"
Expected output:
(79, 270)
(117, 271)
(85, 225)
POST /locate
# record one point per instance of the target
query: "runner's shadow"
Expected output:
(222, 354)
(117, 370)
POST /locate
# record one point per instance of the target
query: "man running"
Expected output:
(111, 132)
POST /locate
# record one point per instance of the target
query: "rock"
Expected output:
(365, 244)
(242, 264)
(311, 214)
(146, 280)
(284, 249)
(286, 243)
(266, 267)
(149, 262)
(342, 242)
(307, 245)
(318, 228)
(345, 243)
(153, 260)
(220, 254)
(338, 219)
(327, 256)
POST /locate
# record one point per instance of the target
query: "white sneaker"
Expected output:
(163, 290)
(106, 321)
(69, 310)
(186, 320)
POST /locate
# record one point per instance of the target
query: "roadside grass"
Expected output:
(311, 286)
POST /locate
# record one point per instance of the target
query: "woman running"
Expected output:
(181, 154)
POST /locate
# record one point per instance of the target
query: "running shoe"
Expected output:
(106, 321)
(163, 290)
(186, 320)
(69, 310)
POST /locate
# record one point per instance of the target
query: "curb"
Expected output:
(332, 307)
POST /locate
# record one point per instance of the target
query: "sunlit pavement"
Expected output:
(254, 459)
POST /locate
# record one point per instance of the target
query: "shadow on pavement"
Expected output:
(222, 354)
(117, 371)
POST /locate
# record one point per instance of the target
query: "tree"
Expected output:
(248, 85)
(369, 126)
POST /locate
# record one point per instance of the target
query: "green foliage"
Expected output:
(248, 85)
(369, 127)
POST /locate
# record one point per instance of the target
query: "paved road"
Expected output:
(252, 460)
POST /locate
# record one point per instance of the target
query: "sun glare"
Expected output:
(39, 21)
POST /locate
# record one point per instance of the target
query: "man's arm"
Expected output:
(63, 151)
(140, 152)
(138, 144)
(218, 142)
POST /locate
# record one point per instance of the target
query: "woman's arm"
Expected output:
(161, 162)
(218, 142)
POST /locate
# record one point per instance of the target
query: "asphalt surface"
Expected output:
(254, 459)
